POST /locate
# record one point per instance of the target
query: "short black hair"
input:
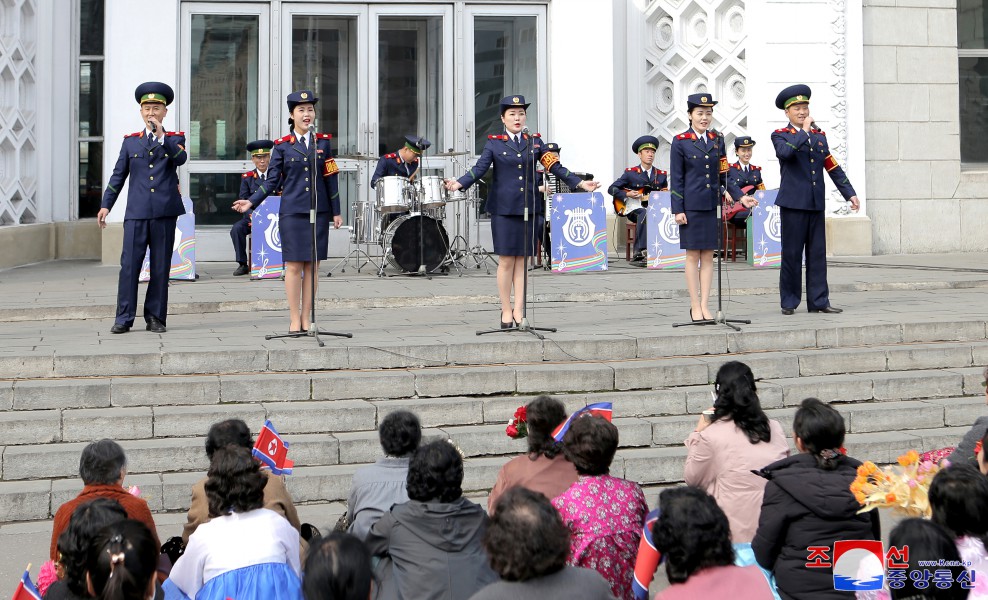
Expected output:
(927, 541)
(543, 415)
(226, 433)
(526, 537)
(958, 497)
(102, 463)
(692, 533)
(234, 482)
(820, 427)
(400, 433)
(435, 473)
(590, 444)
(737, 400)
(337, 567)
(73, 544)
(127, 550)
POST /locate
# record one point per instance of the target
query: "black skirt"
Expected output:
(509, 233)
(700, 231)
(296, 237)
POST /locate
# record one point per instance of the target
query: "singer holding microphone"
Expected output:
(803, 156)
(291, 160)
(697, 179)
(513, 193)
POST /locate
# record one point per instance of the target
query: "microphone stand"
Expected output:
(524, 325)
(313, 331)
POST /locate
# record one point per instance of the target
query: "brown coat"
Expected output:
(548, 476)
(136, 508)
(276, 498)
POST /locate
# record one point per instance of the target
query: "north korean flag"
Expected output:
(272, 451)
(25, 589)
(598, 409)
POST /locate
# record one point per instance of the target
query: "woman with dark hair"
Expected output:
(693, 536)
(543, 469)
(378, 487)
(808, 502)
(959, 501)
(73, 546)
(245, 551)
(430, 547)
(726, 447)
(338, 567)
(528, 545)
(604, 514)
(122, 561)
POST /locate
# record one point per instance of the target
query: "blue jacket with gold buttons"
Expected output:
(153, 172)
(697, 176)
(514, 171)
(290, 170)
(803, 158)
(391, 165)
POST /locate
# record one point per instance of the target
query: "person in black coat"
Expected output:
(808, 502)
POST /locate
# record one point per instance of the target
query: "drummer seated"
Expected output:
(403, 162)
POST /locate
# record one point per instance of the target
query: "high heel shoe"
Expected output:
(507, 325)
(695, 320)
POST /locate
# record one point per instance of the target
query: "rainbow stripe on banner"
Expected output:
(597, 409)
(184, 250)
(579, 232)
(663, 234)
(265, 240)
(765, 232)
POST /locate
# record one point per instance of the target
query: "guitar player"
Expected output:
(632, 188)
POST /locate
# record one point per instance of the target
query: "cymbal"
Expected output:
(357, 157)
(451, 153)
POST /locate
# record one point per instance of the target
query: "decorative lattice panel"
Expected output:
(837, 132)
(694, 46)
(18, 99)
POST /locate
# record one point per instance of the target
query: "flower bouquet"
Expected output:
(518, 425)
(903, 488)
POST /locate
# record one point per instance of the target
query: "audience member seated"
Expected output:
(808, 502)
(544, 469)
(693, 535)
(122, 562)
(724, 450)
(245, 551)
(431, 546)
(528, 545)
(276, 497)
(338, 567)
(964, 452)
(959, 501)
(375, 489)
(928, 543)
(604, 514)
(73, 546)
(102, 468)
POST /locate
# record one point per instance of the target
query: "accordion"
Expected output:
(553, 185)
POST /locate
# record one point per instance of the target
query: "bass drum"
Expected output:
(402, 241)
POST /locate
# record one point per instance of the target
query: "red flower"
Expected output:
(521, 414)
(977, 448)
(842, 450)
(512, 431)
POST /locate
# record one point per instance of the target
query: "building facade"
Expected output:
(893, 81)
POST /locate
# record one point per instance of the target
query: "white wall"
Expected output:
(132, 59)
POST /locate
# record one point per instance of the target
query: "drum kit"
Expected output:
(407, 222)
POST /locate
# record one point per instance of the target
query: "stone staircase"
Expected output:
(900, 386)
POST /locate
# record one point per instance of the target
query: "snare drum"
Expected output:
(435, 192)
(394, 194)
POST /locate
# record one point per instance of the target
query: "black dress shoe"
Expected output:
(119, 328)
(241, 270)
(788, 311)
(827, 309)
(507, 325)
(155, 326)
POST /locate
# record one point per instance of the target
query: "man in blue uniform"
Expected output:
(403, 162)
(260, 155)
(803, 157)
(150, 158)
(743, 178)
(635, 184)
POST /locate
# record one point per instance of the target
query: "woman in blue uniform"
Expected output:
(291, 165)
(514, 190)
(697, 175)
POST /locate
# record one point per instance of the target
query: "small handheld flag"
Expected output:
(598, 409)
(25, 589)
(648, 558)
(272, 451)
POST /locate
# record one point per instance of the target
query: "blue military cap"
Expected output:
(260, 147)
(154, 91)
(300, 97)
(701, 99)
(645, 142)
(552, 147)
(794, 94)
(743, 141)
(417, 143)
(514, 102)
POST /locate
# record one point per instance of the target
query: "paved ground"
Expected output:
(67, 307)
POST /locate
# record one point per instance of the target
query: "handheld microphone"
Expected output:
(813, 126)
(154, 128)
